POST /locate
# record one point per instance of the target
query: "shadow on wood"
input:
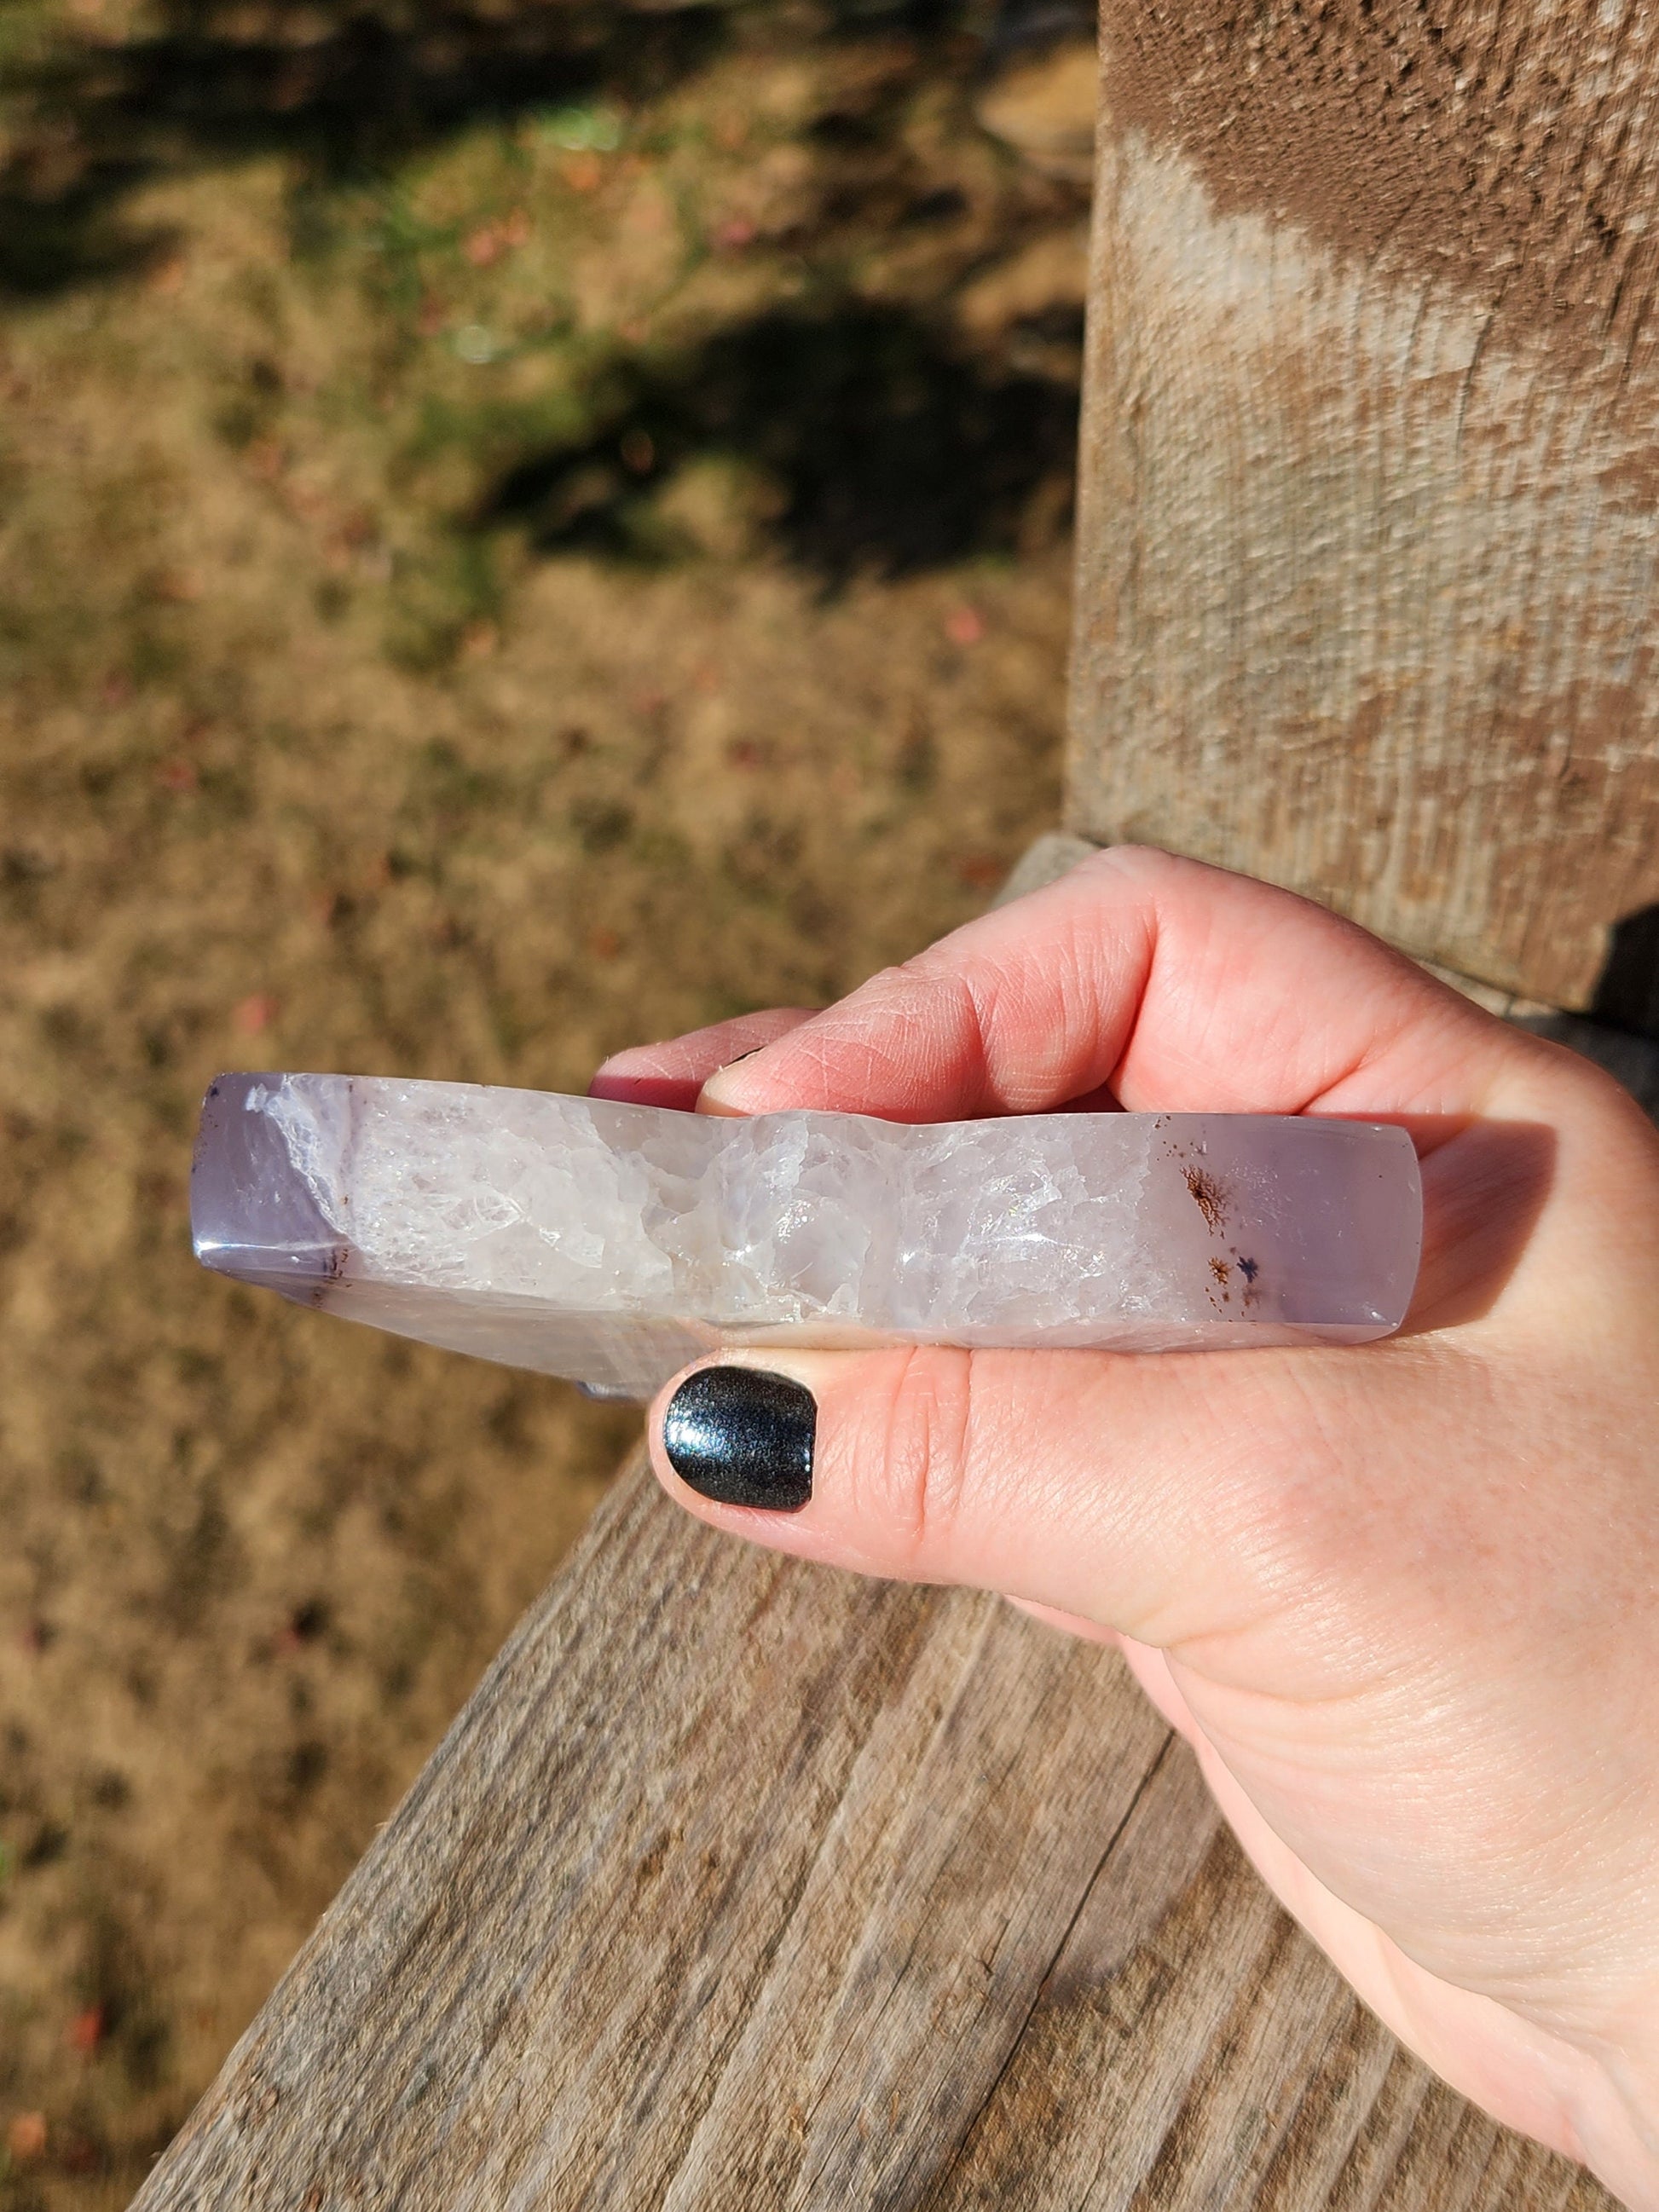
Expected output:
(1628, 995)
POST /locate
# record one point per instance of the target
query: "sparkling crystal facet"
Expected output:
(612, 1243)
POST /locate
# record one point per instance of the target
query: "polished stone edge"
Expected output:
(251, 1215)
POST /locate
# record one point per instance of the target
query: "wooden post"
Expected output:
(1369, 559)
(741, 1884)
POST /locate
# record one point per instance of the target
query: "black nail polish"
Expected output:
(742, 1437)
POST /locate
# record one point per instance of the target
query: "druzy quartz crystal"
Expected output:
(611, 1243)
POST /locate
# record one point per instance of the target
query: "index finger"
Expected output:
(672, 1074)
(1180, 986)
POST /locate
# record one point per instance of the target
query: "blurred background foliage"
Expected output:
(523, 525)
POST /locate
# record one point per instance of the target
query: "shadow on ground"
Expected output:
(865, 443)
(347, 88)
(867, 438)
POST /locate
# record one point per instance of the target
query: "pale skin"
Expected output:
(1402, 1599)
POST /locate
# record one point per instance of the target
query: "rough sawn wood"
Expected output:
(740, 1883)
(1368, 542)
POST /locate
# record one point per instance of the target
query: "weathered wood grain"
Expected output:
(741, 1883)
(1369, 557)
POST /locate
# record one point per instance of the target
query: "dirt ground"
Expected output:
(522, 528)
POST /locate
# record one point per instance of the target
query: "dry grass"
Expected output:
(487, 572)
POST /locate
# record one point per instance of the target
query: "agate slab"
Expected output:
(612, 1243)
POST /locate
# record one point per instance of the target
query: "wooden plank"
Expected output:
(743, 1883)
(1368, 565)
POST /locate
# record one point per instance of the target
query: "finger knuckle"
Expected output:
(923, 1465)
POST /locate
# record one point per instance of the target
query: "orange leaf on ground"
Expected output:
(26, 2137)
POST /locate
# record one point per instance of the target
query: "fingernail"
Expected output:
(711, 1098)
(741, 1436)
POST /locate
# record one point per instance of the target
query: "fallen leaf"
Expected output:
(26, 2137)
(979, 871)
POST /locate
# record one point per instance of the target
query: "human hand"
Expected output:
(1402, 1599)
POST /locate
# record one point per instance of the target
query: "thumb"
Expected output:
(1154, 1495)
